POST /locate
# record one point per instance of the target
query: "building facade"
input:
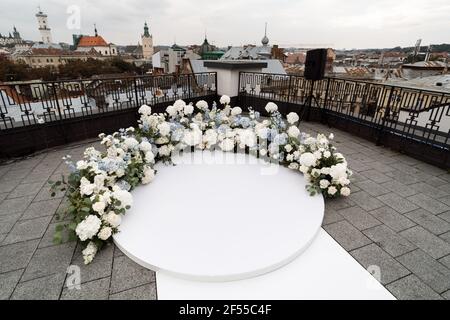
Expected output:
(84, 43)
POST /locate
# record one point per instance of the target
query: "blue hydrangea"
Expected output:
(124, 185)
(244, 122)
(280, 139)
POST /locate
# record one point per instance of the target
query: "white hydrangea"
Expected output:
(130, 143)
(179, 105)
(202, 105)
(165, 150)
(81, 165)
(293, 132)
(188, 109)
(307, 159)
(192, 137)
(88, 228)
(271, 107)
(171, 111)
(210, 138)
(113, 219)
(89, 252)
(145, 146)
(86, 187)
(227, 144)
(292, 117)
(236, 111)
(125, 198)
(99, 207)
(145, 110)
(149, 157)
(105, 233)
(338, 171)
(225, 100)
(149, 175)
(345, 191)
(164, 128)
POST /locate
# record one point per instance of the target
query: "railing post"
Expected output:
(289, 88)
(324, 109)
(384, 119)
(59, 113)
(136, 92)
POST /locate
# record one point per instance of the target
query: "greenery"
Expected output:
(71, 70)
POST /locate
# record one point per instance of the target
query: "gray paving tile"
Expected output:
(48, 261)
(15, 174)
(425, 188)
(94, 290)
(145, 292)
(398, 203)
(347, 235)
(429, 221)
(46, 288)
(331, 216)
(433, 273)
(128, 274)
(8, 221)
(41, 209)
(16, 256)
(8, 282)
(392, 219)
(3, 196)
(340, 203)
(436, 182)
(430, 169)
(380, 166)
(402, 177)
(27, 189)
(27, 230)
(45, 194)
(366, 201)
(376, 176)
(412, 288)
(372, 188)
(428, 203)
(359, 218)
(445, 200)
(428, 242)
(372, 255)
(445, 236)
(399, 188)
(445, 216)
(446, 295)
(10, 206)
(389, 240)
(100, 267)
(445, 261)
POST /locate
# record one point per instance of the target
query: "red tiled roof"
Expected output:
(89, 41)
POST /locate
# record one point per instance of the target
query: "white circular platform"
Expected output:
(219, 217)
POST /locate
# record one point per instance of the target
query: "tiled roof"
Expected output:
(90, 41)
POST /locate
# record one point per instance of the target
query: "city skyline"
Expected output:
(290, 23)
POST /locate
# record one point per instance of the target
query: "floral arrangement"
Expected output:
(98, 187)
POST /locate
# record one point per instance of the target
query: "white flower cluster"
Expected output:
(103, 180)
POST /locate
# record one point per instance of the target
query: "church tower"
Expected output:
(43, 27)
(147, 43)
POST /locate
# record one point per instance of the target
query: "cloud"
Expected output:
(349, 23)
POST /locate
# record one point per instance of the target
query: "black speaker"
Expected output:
(315, 63)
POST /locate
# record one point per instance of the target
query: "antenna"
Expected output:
(265, 29)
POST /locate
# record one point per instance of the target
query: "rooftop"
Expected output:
(91, 41)
(398, 218)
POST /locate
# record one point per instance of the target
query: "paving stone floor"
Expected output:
(397, 218)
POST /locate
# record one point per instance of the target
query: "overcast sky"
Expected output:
(336, 23)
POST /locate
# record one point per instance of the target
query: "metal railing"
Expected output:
(390, 114)
(31, 103)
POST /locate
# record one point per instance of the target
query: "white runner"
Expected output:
(324, 271)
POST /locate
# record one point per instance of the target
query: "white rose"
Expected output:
(315, 173)
(105, 233)
(345, 191)
(317, 154)
(324, 183)
(88, 228)
(288, 148)
(225, 100)
(293, 132)
(290, 157)
(327, 154)
(113, 219)
(99, 207)
(292, 117)
(179, 105)
(188, 109)
(236, 111)
(271, 107)
(164, 128)
(149, 157)
(304, 169)
(293, 166)
(332, 190)
(325, 170)
(145, 110)
(343, 181)
(86, 187)
(164, 151)
(331, 136)
(307, 159)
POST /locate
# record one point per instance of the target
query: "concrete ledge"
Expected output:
(237, 64)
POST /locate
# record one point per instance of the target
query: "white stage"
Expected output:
(228, 226)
